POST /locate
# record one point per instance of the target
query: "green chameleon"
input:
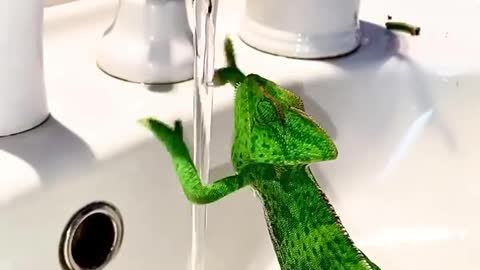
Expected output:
(275, 141)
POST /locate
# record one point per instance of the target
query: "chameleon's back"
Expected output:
(305, 230)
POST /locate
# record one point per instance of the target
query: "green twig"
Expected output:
(404, 27)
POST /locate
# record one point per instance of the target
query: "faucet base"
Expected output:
(149, 42)
(305, 29)
(140, 62)
(295, 45)
(23, 99)
(35, 125)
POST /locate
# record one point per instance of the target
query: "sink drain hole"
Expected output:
(92, 237)
(93, 241)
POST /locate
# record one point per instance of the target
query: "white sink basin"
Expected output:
(401, 110)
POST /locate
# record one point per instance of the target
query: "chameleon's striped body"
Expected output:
(275, 140)
(305, 231)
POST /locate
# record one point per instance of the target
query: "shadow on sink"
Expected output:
(378, 85)
(50, 149)
(396, 104)
(378, 45)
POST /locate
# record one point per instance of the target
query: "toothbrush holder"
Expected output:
(149, 42)
(23, 102)
(309, 29)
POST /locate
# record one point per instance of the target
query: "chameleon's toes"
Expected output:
(161, 130)
(178, 129)
(218, 79)
(145, 122)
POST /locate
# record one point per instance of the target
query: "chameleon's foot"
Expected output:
(226, 75)
(229, 74)
(178, 129)
(169, 136)
(229, 52)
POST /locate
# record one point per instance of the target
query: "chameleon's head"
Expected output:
(272, 127)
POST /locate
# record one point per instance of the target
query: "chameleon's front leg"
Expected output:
(193, 188)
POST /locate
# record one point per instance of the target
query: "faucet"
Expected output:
(23, 103)
(302, 28)
(149, 41)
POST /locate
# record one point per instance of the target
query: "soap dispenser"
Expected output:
(23, 102)
(149, 42)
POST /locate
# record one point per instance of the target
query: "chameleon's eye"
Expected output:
(266, 112)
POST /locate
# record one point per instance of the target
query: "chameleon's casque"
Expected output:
(274, 142)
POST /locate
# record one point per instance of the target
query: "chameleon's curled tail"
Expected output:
(229, 74)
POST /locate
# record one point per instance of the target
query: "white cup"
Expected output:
(23, 102)
(302, 28)
(149, 42)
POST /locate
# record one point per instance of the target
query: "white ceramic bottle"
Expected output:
(302, 28)
(23, 103)
(149, 42)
